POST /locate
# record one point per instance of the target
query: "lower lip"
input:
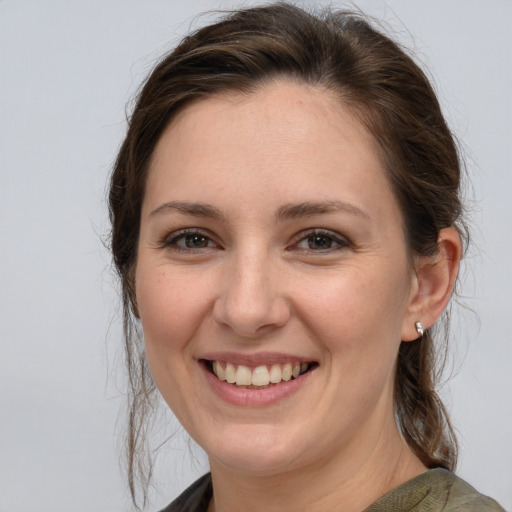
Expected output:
(253, 397)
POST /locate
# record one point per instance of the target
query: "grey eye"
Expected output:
(320, 242)
(190, 240)
(195, 241)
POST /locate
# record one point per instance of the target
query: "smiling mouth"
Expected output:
(260, 377)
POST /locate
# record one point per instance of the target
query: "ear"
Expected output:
(433, 283)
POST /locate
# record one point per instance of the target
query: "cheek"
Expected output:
(171, 308)
(358, 310)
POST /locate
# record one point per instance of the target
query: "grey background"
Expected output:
(67, 69)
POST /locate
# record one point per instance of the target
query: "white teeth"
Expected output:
(230, 373)
(218, 370)
(275, 374)
(286, 372)
(243, 376)
(260, 376)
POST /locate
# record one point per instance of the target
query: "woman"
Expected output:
(287, 227)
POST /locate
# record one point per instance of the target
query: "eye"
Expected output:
(319, 240)
(188, 240)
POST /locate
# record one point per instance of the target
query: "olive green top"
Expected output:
(436, 490)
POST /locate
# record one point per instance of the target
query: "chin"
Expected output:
(256, 450)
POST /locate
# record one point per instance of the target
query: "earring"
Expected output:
(419, 328)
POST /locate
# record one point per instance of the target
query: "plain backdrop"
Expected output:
(67, 69)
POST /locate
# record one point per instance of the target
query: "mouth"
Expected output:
(258, 377)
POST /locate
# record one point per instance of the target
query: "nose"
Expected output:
(251, 301)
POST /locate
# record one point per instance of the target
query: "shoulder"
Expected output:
(195, 498)
(462, 497)
(437, 490)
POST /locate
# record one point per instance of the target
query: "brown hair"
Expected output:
(340, 52)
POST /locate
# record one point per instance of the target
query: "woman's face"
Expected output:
(271, 244)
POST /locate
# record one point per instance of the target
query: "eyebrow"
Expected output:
(311, 208)
(285, 212)
(188, 208)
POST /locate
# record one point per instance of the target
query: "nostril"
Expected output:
(250, 319)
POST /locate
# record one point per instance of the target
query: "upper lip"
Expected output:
(258, 359)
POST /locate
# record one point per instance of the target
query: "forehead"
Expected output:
(285, 137)
(288, 110)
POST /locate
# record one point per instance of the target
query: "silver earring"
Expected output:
(419, 328)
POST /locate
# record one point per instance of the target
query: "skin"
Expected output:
(258, 282)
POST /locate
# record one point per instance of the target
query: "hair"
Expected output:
(342, 53)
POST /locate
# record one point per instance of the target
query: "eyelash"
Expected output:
(339, 241)
(171, 241)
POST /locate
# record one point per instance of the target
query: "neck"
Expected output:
(354, 477)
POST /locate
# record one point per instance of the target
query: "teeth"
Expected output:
(243, 376)
(230, 373)
(275, 374)
(286, 372)
(218, 370)
(261, 376)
